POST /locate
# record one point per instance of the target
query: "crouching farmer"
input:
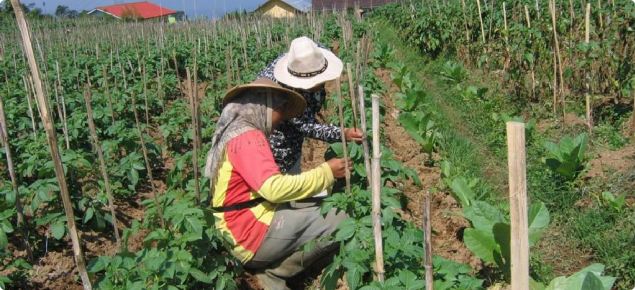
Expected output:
(249, 194)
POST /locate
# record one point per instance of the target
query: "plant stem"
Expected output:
(344, 149)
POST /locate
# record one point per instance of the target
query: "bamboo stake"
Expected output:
(197, 117)
(28, 101)
(351, 92)
(467, 32)
(112, 110)
(571, 18)
(428, 243)
(4, 135)
(589, 121)
(344, 149)
(61, 93)
(480, 17)
(362, 114)
(376, 191)
(195, 135)
(600, 14)
(527, 17)
(518, 205)
(552, 7)
(147, 161)
(145, 90)
(102, 164)
(52, 140)
(160, 92)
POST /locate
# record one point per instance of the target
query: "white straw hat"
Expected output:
(306, 65)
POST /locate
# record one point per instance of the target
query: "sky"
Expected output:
(193, 8)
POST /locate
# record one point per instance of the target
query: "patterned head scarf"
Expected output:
(251, 111)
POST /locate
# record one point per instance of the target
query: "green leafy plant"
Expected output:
(589, 278)
(452, 72)
(422, 129)
(568, 157)
(616, 203)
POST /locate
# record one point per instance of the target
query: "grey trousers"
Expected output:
(289, 230)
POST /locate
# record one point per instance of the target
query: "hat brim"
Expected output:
(294, 107)
(333, 70)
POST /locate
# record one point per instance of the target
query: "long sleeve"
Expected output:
(283, 188)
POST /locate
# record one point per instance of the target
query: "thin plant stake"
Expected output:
(195, 135)
(376, 192)
(589, 121)
(351, 92)
(52, 140)
(344, 149)
(147, 161)
(480, 17)
(102, 165)
(112, 110)
(362, 114)
(427, 226)
(4, 135)
(518, 205)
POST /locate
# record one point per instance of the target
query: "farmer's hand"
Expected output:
(338, 167)
(353, 134)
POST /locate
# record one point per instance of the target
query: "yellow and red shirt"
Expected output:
(249, 171)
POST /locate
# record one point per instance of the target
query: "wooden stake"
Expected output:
(600, 14)
(61, 93)
(467, 32)
(4, 135)
(195, 135)
(518, 205)
(427, 226)
(362, 114)
(102, 164)
(480, 17)
(110, 106)
(552, 7)
(147, 161)
(351, 93)
(344, 147)
(589, 121)
(527, 17)
(376, 192)
(28, 101)
(145, 91)
(52, 140)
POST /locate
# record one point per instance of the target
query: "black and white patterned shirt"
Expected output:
(286, 141)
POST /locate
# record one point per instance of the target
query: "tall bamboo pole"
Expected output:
(4, 135)
(362, 114)
(344, 147)
(112, 109)
(427, 226)
(518, 205)
(351, 92)
(52, 140)
(552, 7)
(480, 17)
(376, 192)
(589, 121)
(64, 119)
(147, 161)
(102, 165)
(194, 134)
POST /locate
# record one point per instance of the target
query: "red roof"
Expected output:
(143, 10)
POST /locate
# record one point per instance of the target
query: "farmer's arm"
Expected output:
(251, 157)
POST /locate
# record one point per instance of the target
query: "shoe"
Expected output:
(271, 282)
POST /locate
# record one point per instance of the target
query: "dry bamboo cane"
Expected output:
(145, 91)
(195, 135)
(147, 161)
(64, 119)
(467, 32)
(160, 92)
(102, 164)
(589, 121)
(427, 226)
(197, 116)
(52, 140)
(28, 101)
(362, 114)
(571, 18)
(518, 205)
(559, 60)
(376, 192)
(480, 17)
(600, 14)
(527, 17)
(344, 147)
(506, 40)
(112, 109)
(4, 134)
(351, 92)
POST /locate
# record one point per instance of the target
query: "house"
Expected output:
(280, 9)
(345, 4)
(137, 10)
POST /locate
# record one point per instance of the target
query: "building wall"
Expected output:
(277, 9)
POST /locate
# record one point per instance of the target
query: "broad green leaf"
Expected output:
(538, 221)
(88, 215)
(200, 276)
(481, 243)
(7, 227)
(58, 230)
(4, 241)
(346, 229)
(591, 282)
(483, 216)
(134, 176)
(353, 277)
(502, 236)
(461, 191)
(533, 285)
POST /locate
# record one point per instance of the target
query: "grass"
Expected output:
(475, 144)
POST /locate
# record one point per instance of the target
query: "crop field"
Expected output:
(103, 145)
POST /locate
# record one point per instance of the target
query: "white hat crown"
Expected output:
(305, 57)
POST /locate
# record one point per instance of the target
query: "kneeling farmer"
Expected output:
(250, 193)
